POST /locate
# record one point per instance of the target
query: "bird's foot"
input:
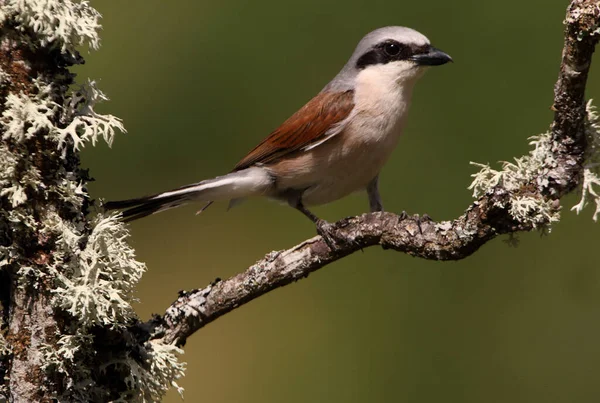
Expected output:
(327, 232)
(422, 220)
(425, 218)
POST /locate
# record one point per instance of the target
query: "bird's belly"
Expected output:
(334, 169)
(343, 177)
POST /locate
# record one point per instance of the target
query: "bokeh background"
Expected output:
(198, 83)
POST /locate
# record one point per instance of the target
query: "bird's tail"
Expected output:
(236, 185)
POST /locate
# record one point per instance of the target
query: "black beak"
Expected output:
(432, 57)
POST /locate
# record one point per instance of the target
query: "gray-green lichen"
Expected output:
(92, 270)
(94, 283)
(528, 206)
(37, 114)
(163, 368)
(525, 205)
(63, 24)
(590, 192)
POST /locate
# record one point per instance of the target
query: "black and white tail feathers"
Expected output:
(144, 206)
(236, 185)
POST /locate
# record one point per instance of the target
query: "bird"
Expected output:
(336, 144)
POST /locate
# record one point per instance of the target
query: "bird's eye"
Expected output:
(391, 48)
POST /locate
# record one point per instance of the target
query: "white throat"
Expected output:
(382, 97)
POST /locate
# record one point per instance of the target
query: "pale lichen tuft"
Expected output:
(25, 116)
(149, 379)
(96, 283)
(165, 370)
(517, 178)
(64, 24)
(534, 211)
(86, 124)
(514, 175)
(590, 187)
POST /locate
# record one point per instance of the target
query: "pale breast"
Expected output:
(351, 159)
(344, 164)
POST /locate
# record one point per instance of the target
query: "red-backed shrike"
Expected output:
(334, 145)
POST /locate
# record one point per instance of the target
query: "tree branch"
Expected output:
(493, 214)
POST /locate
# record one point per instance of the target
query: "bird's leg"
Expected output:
(325, 229)
(375, 202)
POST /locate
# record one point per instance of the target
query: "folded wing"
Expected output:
(317, 121)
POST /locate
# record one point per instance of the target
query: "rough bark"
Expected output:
(31, 322)
(32, 326)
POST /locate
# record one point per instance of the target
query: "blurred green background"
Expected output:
(199, 83)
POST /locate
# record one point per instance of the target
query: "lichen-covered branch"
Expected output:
(522, 196)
